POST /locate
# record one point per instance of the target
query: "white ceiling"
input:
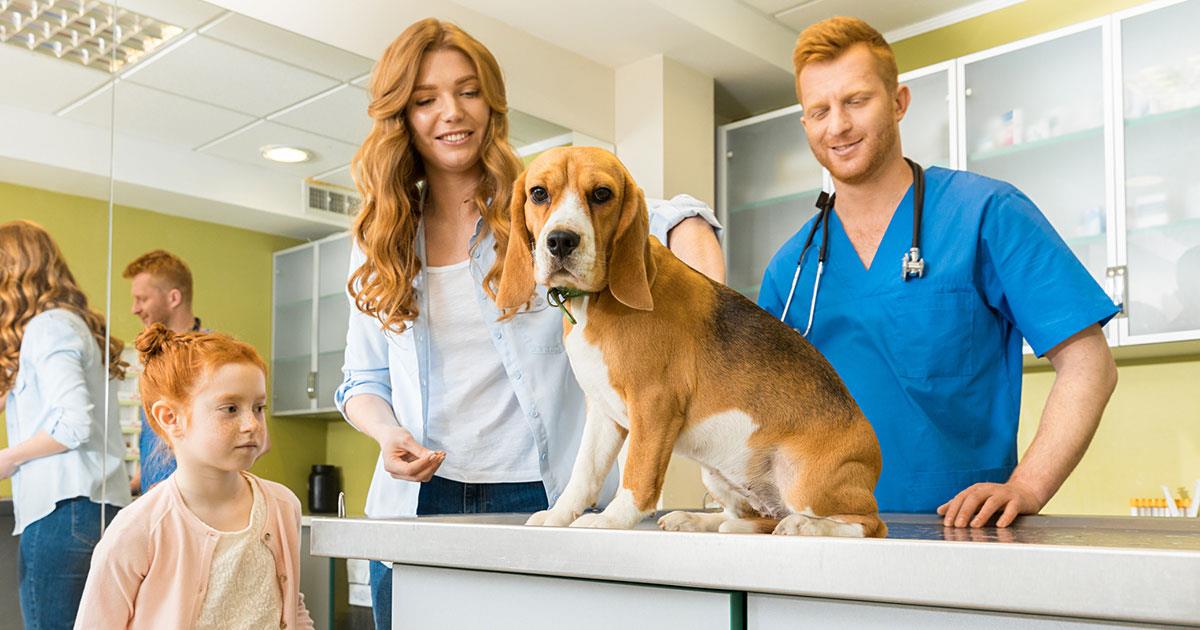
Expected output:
(231, 84)
(226, 87)
(886, 17)
(745, 45)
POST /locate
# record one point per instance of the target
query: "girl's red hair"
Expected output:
(175, 362)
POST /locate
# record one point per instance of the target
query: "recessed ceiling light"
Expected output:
(285, 154)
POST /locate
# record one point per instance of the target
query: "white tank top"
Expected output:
(474, 415)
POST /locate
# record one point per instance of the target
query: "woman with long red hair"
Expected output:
(471, 414)
(53, 376)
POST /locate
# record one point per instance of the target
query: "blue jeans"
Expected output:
(54, 554)
(442, 496)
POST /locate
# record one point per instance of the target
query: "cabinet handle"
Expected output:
(1118, 288)
(312, 385)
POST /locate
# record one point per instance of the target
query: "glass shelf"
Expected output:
(771, 201)
(1015, 149)
(1150, 119)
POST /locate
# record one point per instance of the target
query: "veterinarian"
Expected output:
(471, 415)
(924, 318)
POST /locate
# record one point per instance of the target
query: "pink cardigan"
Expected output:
(150, 570)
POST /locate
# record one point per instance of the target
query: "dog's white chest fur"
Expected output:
(587, 361)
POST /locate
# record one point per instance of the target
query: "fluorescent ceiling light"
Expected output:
(285, 154)
(95, 34)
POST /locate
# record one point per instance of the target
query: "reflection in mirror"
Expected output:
(233, 198)
(61, 469)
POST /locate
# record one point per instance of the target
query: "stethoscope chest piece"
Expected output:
(912, 265)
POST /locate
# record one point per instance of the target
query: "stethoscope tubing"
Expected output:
(825, 204)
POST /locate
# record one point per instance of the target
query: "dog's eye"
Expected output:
(601, 194)
(539, 195)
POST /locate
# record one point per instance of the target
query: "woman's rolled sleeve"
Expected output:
(56, 354)
(365, 365)
(665, 214)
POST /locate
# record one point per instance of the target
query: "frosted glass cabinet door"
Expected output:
(1035, 117)
(1160, 70)
(291, 352)
(925, 130)
(771, 185)
(333, 315)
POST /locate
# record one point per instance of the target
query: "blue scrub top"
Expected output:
(935, 362)
(157, 462)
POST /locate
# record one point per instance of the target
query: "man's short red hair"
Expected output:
(829, 39)
(166, 267)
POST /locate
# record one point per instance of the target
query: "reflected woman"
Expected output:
(472, 415)
(52, 374)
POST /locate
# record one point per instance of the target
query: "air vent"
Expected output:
(95, 34)
(327, 200)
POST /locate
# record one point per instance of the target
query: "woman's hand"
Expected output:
(404, 458)
(8, 464)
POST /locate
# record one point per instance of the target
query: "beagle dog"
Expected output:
(678, 363)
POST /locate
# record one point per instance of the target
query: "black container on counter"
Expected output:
(323, 488)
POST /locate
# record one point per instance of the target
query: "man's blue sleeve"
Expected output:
(1031, 277)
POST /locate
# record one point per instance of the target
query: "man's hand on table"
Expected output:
(976, 505)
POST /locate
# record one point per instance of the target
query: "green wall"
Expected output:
(231, 271)
(1006, 25)
(1150, 433)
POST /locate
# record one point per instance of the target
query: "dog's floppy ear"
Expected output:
(630, 267)
(516, 278)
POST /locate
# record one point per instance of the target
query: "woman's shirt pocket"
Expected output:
(539, 326)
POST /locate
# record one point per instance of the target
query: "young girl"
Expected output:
(212, 546)
(52, 386)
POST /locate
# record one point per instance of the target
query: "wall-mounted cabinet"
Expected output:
(1096, 122)
(308, 336)
(768, 179)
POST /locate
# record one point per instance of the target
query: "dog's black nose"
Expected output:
(561, 243)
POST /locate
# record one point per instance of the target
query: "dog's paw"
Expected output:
(551, 518)
(804, 525)
(680, 521)
(595, 520)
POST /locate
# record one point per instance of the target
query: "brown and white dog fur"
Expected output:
(679, 363)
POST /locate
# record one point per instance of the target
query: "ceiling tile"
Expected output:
(215, 72)
(44, 84)
(298, 50)
(341, 114)
(884, 16)
(153, 115)
(185, 13)
(771, 7)
(340, 177)
(244, 147)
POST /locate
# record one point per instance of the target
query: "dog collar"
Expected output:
(558, 296)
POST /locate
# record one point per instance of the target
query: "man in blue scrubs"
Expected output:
(935, 361)
(161, 288)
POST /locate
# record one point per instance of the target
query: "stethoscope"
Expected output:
(911, 263)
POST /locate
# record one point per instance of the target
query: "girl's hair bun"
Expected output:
(153, 341)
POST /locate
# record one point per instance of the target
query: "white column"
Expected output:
(665, 127)
(665, 133)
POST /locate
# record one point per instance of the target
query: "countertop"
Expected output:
(1120, 568)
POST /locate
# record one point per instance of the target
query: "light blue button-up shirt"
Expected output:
(59, 389)
(395, 367)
